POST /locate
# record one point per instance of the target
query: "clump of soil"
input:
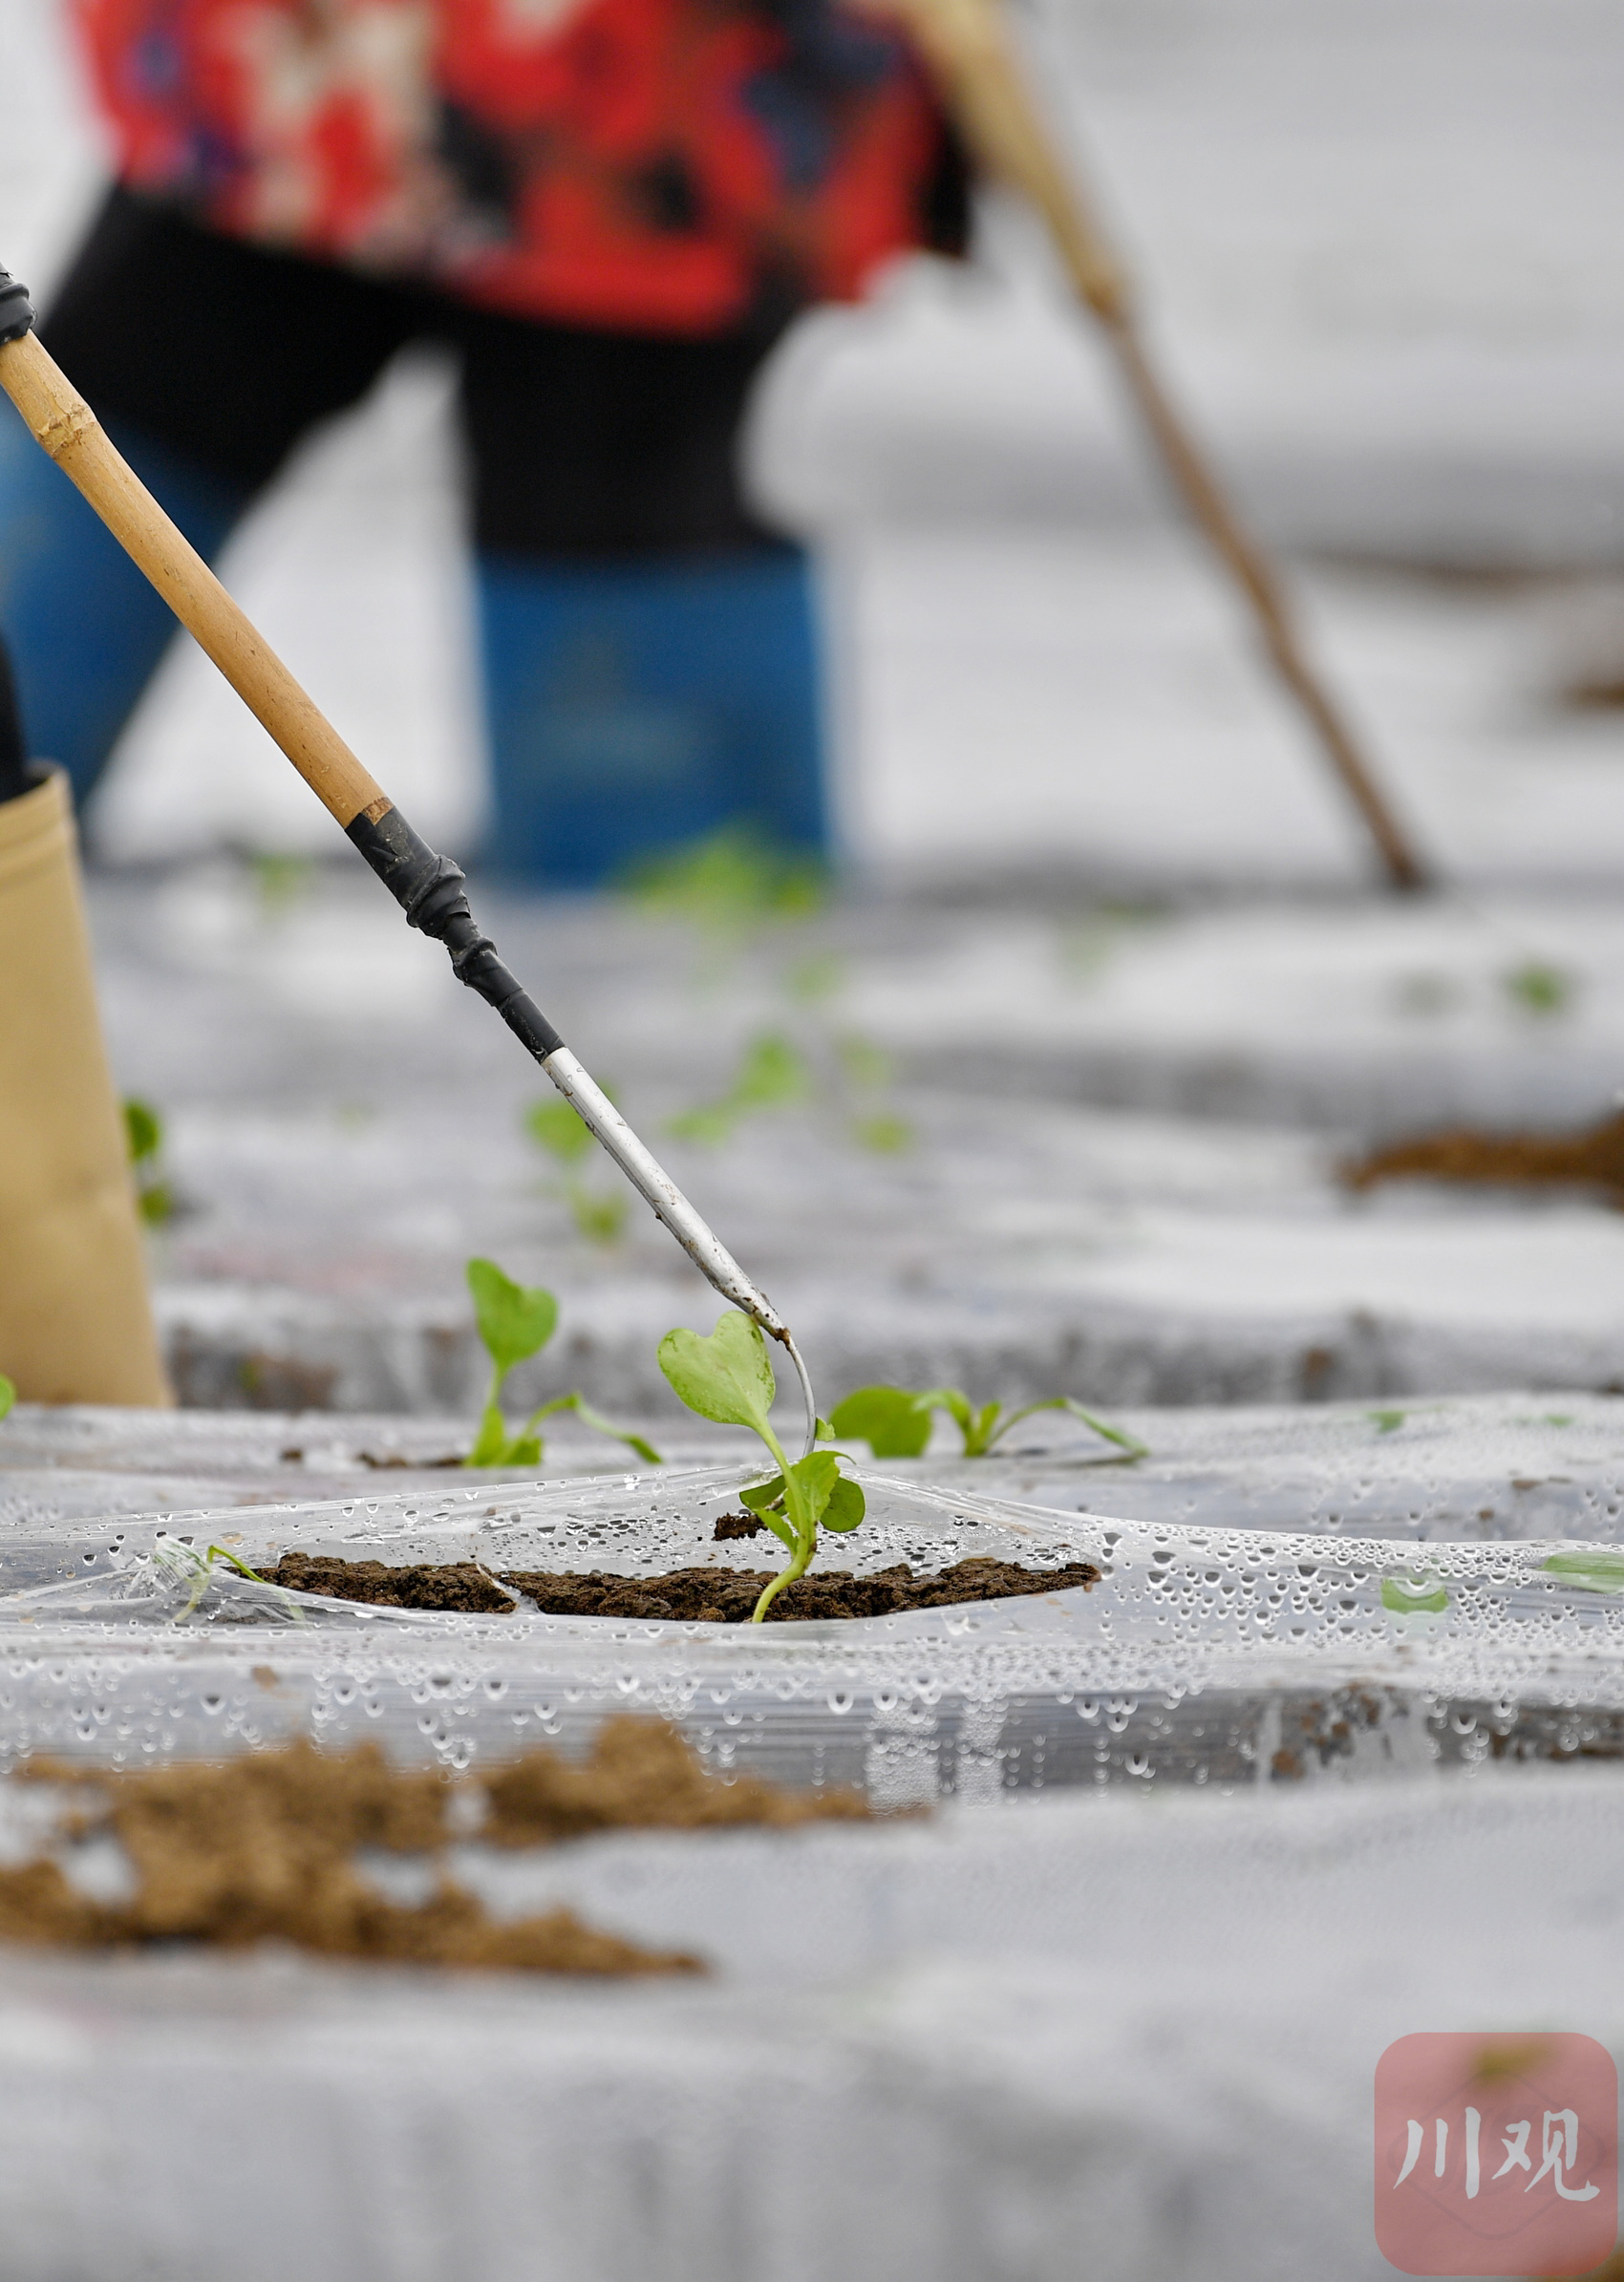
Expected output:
(729, 1595)
(737, 1524)
(455, 1585)
(642, 1775)
(262, 1848)
(1592, 1158)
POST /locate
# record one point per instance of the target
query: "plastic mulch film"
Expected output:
(1203, 1656)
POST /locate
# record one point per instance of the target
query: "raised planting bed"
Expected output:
(1461, 1467)
(1220, 1657)
(1018, 2044)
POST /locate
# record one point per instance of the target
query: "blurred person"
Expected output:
(609, 209)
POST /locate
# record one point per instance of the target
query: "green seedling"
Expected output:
(1387, 1421)
(815, 979)
(515, 1322)
(186, 1560)
(143, 1132)
(771, 1074)
(558, 1128)
(867, 1069)
(281, 881)
(7, 1394)
(728, 1377)
(895, 1422)
(729, 883)
(1414, 1596)
(1597, 1572)
(1540, 989)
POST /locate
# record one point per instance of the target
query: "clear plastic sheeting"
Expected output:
(1203, 1656)
(1030, 2044)
(1508, 1466)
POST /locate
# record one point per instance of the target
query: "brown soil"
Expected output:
(641, 1774)
(455, 1585)
(737, 1524)
(1592, 1158)
(729, 1595)
(261, 1849)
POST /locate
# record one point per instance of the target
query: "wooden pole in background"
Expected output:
(966, 43)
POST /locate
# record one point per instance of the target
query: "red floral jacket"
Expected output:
(660, 165)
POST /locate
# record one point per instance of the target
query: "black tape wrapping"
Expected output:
(16, 310)
(432, 893)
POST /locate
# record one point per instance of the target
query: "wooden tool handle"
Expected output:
(65, 427)
(967, 46)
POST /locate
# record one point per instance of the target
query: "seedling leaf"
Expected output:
(143, 1129)
(727, 1378)
(1598, 1571)
(515, 1320)
(892, 1421)
(846, 1505)
(7, 1394)
(1410, 1596)
(559, 1128)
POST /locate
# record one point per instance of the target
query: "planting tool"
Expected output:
(966, 43)
(430, 888)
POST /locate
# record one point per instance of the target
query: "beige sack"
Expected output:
(75, 1324)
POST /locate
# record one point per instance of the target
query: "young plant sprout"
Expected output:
(143, 1129)
(515, 1322)
(896, 1422)
(7, 1394)
(558, 1127)
(771, 1074)
(728, 1377)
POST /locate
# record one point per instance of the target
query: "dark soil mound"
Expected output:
(683, 1596)
(427, 1585)
(1591, 1159)
(729, 1595)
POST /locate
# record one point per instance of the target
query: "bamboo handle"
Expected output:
(64, 426)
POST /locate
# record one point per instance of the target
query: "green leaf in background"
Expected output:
(1597, 1572)
(728, 882)
(143, 1129)
(559, 1128)
(727, 1378)
(892, 1421)
(1414, 1596)
(599, 1425)
(515, 1320)
(1538, 987)
(771, 1071)
(885, 1136)
(1387, 1421)
(7, 1394)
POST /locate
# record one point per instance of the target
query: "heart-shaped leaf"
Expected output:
(727, 1378)
(892, 1421)
(515, 1320)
